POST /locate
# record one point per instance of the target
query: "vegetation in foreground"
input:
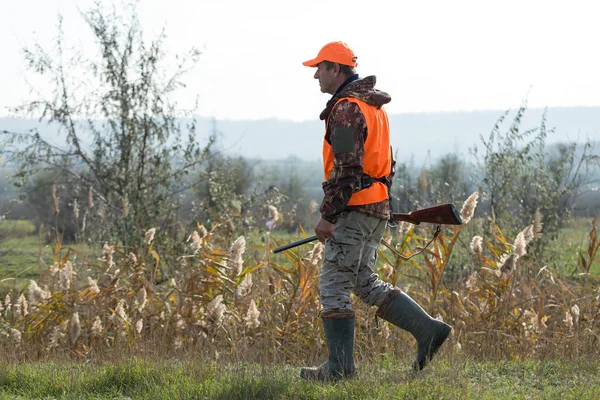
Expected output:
(245, 301)
(451, 377)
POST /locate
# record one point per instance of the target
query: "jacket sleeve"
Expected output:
(346, 132)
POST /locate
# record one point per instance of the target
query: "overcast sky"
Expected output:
(429, 55)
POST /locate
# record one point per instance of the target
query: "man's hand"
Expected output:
(324, 229)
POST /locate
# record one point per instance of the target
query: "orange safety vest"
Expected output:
(377, 157)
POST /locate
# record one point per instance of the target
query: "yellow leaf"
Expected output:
(66, 257)
(282, 268)
(213, 271)
(257, 266)
(499, 235)
(79, 353)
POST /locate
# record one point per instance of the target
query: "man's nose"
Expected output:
(316, 74)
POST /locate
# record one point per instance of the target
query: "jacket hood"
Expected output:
(362, 89)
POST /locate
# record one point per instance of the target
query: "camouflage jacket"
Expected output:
(348, 166)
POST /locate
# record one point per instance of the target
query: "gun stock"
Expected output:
(444, 214)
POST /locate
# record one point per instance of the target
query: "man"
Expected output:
(357, 163)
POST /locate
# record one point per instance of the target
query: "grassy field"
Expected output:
(507, 352)
(573, 239)
(24, 255)
(449, 378)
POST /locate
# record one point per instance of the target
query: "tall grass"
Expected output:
(230, 301)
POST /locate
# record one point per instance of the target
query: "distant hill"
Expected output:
(414, 135)
(283, 149)
(420, 136)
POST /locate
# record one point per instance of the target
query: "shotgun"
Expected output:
(444, 214)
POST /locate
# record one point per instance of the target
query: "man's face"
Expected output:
(327, 78)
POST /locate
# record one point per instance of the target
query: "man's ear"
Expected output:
(336, 69)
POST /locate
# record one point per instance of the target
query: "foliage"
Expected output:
(518, 175)
(123, 137)
(227, 297)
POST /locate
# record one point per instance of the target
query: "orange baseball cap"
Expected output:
(337, 52)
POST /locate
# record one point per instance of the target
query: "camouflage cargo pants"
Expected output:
(348, 259)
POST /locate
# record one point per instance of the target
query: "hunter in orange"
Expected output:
(358, 170)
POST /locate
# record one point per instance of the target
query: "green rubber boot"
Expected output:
(339, 334)
(406, 314)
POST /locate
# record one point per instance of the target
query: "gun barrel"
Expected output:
(294, 244)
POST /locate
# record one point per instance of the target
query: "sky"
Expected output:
(428, 55)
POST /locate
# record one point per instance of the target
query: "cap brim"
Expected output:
(312, 63)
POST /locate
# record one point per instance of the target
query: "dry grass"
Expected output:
(235, 304)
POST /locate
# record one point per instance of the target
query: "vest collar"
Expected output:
(343, 85)
(331, 101)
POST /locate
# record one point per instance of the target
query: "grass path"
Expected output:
(445, 379)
